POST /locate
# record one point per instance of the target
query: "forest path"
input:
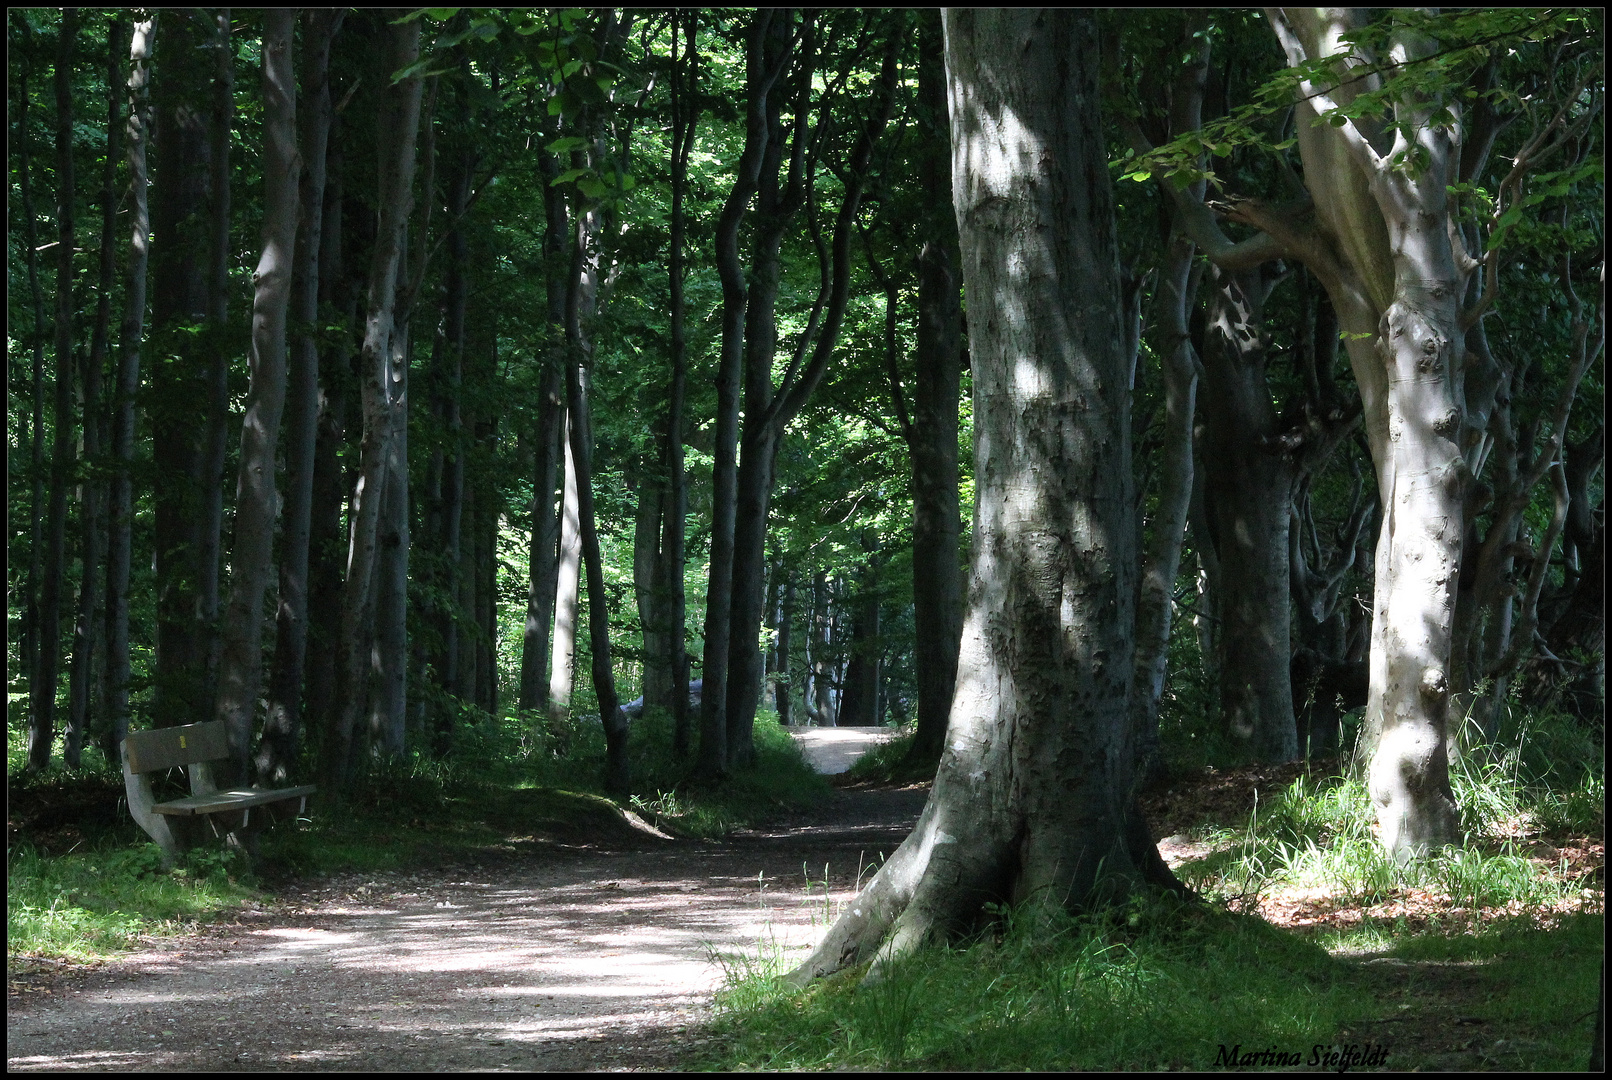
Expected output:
(832, 750)
(561, 959)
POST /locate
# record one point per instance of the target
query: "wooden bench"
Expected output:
(174, 824)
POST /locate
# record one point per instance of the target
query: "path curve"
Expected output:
(552, 959)
(832, 750)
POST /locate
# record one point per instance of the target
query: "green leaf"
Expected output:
(567, 144)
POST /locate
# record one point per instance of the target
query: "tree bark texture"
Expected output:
(282, 727)
(256, 499)
(1388, 263)
(1248, 487)
(130, 331)
(1031, 801)
(380, 386)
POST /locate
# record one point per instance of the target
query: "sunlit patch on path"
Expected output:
(551, 962)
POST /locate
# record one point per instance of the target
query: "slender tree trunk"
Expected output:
(783, 685)
(685, 120)
(389, 705)
(36, 439)
(1162, 558)
(859, 707)
(42, 714)
(646, 571)
(326, 549)
(216, 438)
(132, 328)
(451, 379)
(759, 79)
(256, 500)
(94, 542)
(1031, 800)
(563, 673)
(768, 412)
(577, 376)
(277, 752)
(379, 383)
(547, 512)
(937, 576)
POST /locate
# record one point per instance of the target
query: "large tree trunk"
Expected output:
(281, 728)
(121, 517)
(178, 308)
(1032, 796)
(937, 574)
(379, 383)
(1248, 485)
(93, 525)
(256, 500)
(389, 704)
(1386, 258)
(42, 712)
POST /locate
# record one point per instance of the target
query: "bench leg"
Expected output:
(138, 788)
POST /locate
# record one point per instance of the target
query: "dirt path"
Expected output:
(557, 960)
(832, 750)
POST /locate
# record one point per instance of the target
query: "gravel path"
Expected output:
(560, 959)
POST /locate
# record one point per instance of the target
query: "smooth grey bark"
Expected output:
(783, 681)
(578, 375)
(819, 683)
(566, 599)
(1385, 253)
(42, 696)
(93, 544)
(551, 439)
(256, 498)
(1031, 801)
(120, 517)
(379, 384)
(282, 726)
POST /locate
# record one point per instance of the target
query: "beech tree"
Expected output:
(1033, 796)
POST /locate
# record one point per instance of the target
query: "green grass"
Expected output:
(83, 882)
(87, 904)
(1157, 985)
(1148, 986)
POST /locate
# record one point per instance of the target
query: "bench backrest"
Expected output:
(163, 748)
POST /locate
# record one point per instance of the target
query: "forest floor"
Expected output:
(544, 955)
(547, 956)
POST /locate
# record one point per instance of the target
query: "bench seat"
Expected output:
(239, 799)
